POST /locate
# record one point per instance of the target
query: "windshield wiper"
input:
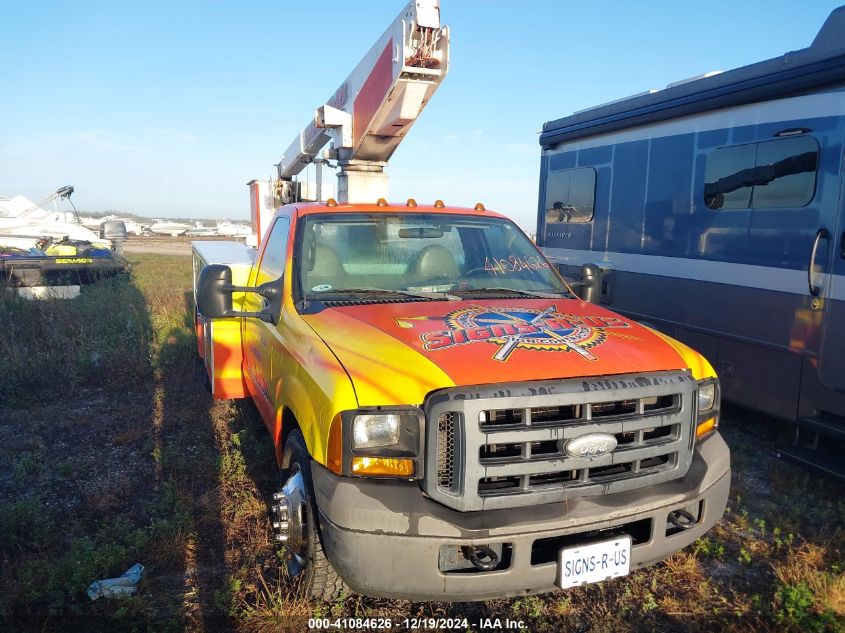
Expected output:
(526, 293)
(431, 296)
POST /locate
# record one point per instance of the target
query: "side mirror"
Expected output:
(214, 295)
(590, 287)
(214, 292)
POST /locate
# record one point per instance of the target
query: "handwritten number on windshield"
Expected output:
(513, 264)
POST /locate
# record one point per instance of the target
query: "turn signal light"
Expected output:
(331, 202)
(411, 203)
(479, 207)
(706, 428)
(438, 204)
(383, 466)
(334, 451)
(381, 202)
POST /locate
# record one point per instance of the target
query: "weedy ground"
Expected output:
(112, 452)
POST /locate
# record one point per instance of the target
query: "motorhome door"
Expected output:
(832, 352)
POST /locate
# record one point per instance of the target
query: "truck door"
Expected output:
(832, 352)
(260, 338)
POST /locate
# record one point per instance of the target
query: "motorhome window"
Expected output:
(727, 179)
(570, 195)
(273, 260)
(786, 173)
(772, 174)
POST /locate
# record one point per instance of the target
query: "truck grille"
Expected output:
(447, 429)
(504, 445)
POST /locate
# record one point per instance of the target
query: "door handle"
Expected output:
(822, 234)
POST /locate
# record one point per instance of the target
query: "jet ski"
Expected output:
(63, 262)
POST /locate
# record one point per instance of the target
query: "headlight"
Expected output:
(381, 443)
(371, 431)
(706, 396)
(708, 408)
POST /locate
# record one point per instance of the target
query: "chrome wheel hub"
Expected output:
(290, 519)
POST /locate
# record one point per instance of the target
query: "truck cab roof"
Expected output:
(309, 208)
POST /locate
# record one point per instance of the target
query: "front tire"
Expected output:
(296, 526)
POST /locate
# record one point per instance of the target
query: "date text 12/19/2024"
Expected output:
(416, 624)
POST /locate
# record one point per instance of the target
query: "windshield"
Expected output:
(345, 254)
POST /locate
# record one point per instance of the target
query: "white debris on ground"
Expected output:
(125, 585)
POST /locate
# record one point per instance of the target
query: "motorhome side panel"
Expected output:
(825, 388)
(832, 365)
(688, 249)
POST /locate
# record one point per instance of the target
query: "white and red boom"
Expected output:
(369, 114)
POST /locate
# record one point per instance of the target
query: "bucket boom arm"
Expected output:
(370, 113)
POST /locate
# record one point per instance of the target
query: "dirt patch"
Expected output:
(166, 245)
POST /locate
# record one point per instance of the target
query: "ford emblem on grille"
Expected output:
(591, 446)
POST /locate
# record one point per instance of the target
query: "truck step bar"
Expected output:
(812, 446)
(824, 425)
(812, 460)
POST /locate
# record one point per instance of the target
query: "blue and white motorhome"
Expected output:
(714, 210)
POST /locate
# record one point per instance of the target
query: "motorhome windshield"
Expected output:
(435, 256)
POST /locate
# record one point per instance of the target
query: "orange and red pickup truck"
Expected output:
(451, 421)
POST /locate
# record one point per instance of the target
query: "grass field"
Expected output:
(112, 453)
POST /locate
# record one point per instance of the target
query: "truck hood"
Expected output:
(396, 353)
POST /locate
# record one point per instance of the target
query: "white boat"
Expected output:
(24, 222)
(132, 227)
(90, 222)
(229, 229)
(166, 227)
(200, 230)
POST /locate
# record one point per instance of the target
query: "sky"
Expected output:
(167, 109)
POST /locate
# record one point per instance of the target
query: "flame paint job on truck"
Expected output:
(387, 349)
(347, 357)
(697, 364)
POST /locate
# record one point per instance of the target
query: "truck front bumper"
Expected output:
(384, 538)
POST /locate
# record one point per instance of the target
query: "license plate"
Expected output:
(594, 562)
